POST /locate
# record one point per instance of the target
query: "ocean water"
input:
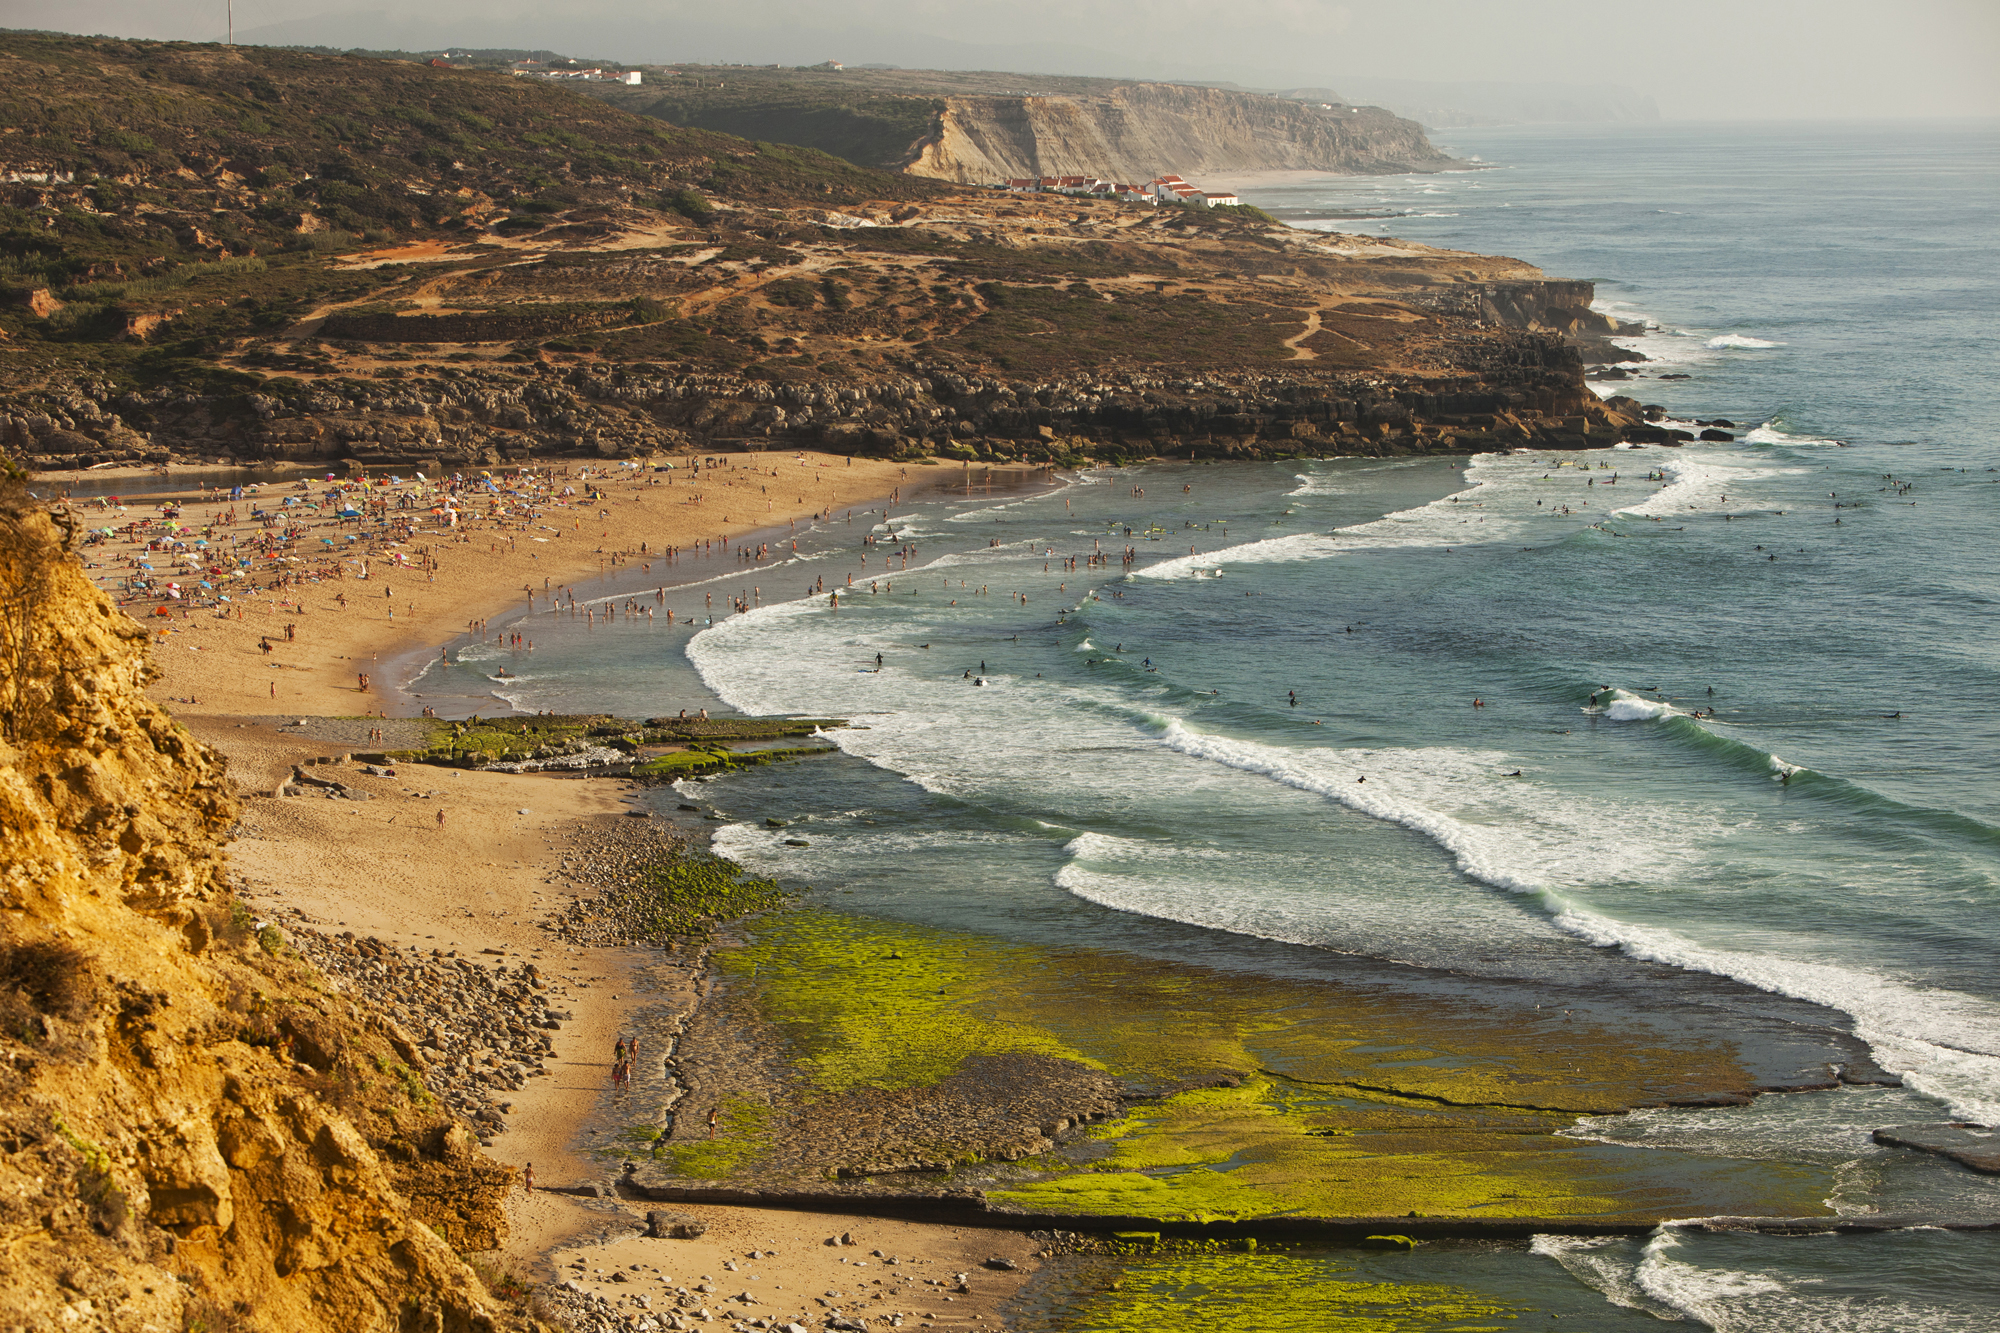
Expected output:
(1706, 736)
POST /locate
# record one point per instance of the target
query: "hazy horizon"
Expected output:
(1696, 59)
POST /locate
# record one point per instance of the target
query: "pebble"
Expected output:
(480, 1031)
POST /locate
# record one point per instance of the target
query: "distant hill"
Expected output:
(982, 126)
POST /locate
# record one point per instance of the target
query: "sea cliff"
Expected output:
(193, 1128)
(1137, 131)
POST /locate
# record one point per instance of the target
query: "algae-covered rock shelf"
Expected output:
(655, 750)
(867, 1060)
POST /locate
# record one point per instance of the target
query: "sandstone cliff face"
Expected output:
(194, 1132)
(1138, 132)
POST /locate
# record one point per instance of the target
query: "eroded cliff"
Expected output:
(195, 1132)
(1139, 131)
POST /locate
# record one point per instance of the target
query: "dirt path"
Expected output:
(1297, 342)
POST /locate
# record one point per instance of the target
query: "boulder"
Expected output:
(663, 1225)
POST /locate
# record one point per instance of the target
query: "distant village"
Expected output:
(1163, 189)
(543, 69)
(536, 69)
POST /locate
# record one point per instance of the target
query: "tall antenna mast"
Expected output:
(231, 40)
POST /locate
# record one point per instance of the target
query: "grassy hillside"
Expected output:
(221, 185)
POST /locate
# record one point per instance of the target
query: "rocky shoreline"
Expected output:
(484, 416)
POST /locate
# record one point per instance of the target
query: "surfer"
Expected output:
(1515, 774)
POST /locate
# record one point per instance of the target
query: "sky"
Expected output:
(1697, 59)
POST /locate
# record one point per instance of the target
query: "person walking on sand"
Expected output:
(528, 1178)
(440, 819)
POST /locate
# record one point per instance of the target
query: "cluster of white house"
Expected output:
(1163, 189)
(535, 69)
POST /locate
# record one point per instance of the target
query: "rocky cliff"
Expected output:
(1524, 387)
(1137, 132)
(195, 1131)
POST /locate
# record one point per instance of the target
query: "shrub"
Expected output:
(689, 204)
(51, 977)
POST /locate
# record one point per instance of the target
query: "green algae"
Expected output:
(743, 1130)
(870, 1004)
(1272, 1293)
(1338, 1103)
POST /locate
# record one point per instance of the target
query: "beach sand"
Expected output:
(346, 626)
(797, 1273)
(478, 883)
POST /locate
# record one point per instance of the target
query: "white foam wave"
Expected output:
(1770, 434)
(1448, 795)
(1331, 482)
(1272, 551)
(1310, 484)
(1627, 707)
(1944, 1042)
(1665, 1276)
(1742, 341)
(1711, 483)
(1500, 502)
(1607, 1264)
(1704, 1293)
(1110, 847)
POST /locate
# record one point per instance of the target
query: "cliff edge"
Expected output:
(195, 1132)
(1134, 133)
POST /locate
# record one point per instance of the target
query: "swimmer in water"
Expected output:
(1515, 774)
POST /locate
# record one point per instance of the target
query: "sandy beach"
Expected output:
(286, 612)
(463, 866)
